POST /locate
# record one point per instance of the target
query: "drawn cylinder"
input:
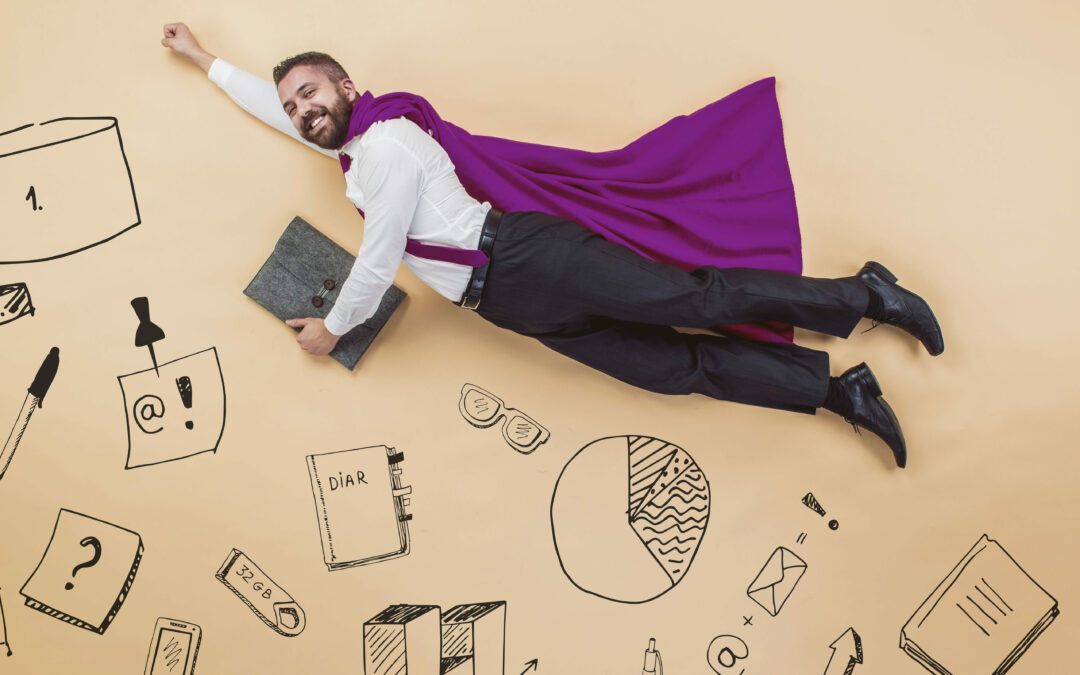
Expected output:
(65, 186)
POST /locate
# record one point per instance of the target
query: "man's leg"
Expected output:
(563, 273)
(663, 360)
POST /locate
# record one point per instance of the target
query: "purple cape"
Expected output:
(709, 188)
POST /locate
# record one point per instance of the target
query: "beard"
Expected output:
(335, 126)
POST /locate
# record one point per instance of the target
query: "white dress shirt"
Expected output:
(403, 181)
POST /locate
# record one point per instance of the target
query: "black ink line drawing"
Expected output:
(748, 621)
(801, 538)
(360, 505)
(483, 409)
(724, 654)
(534, 664)
(76, 166)
(175, 643)
(777, 579)
(15, 302)
(834, 524)
(91, 599)
(148, 332)
(650, 511)
(849, 645)
(403, 639)
(174, 410)
(464, 640)
(4, 637)
(981, 618)
(35, 397)
(261, 594)
(654, 665)
(813, 504)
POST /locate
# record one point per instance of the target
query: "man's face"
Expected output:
(318, 108)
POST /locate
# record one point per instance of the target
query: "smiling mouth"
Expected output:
(316, 122)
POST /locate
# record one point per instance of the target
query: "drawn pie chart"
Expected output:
(627, 515)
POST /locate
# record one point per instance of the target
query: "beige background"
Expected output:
(937, 137)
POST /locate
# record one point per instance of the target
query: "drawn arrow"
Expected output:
(531, 665)
(849, 644)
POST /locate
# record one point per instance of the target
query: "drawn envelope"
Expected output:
(776, 580)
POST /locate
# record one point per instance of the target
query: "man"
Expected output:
(593, 300)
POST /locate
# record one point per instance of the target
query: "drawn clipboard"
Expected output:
(360, 504)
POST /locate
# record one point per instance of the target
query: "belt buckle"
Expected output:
(471, 302)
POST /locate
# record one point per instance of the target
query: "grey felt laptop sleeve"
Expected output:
(306, 265)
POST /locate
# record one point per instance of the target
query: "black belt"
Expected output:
(475, 288)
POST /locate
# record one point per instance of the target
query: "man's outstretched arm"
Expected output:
(257, 96)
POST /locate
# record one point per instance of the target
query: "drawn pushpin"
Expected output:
(148, 332)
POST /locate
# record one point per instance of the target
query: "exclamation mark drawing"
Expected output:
(183, 385)
(814, 505)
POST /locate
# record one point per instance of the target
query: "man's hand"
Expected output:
(313, 336)
(180, 39)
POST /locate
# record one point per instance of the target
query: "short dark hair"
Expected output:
(324, 62)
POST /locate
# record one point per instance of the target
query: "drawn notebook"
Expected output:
(98, 590)
(302, 278)
(981, 618)
(360, 504)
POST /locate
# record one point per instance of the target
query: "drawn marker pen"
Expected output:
(654, 665)
(34, 397)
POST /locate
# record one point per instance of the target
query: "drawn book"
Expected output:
(360, 504)
(302, 278)
(981, 618)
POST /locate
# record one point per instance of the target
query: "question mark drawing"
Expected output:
(86, 541)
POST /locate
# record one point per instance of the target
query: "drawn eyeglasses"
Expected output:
(483, 409)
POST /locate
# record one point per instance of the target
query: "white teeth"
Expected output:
(315, 123)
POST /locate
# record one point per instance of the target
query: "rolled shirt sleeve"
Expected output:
(390, 177)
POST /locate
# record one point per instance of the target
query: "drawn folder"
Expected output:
(981, 618)
(302, 278)
(360, 504)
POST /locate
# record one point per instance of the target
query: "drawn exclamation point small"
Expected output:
(183, 384)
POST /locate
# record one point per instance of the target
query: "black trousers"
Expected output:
(608, 307)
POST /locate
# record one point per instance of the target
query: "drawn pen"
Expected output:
(653, 664)
(34, 397)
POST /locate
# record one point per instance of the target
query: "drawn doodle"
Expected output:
(777, 579)
(849, 647)
(77, 185)
(483, 409)
(15, 302)
(360, 505)
(654, 664)
(5, 640)
(35, 397)
(466, 639)
(174, 410)
(85, 589)
(175, 643)
(981, 618)
(724, 654)
(268, 601)
(148, 332)
(627, 515)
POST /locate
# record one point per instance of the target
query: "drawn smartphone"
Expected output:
(174, 648)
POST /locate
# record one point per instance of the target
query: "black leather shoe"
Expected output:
(902, 308)
(871, 412)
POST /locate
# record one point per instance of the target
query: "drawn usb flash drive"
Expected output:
(269, 601)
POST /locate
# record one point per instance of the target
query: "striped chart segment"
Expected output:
(628, 516)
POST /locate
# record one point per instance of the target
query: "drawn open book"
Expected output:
(981, 618)
(360, 504)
